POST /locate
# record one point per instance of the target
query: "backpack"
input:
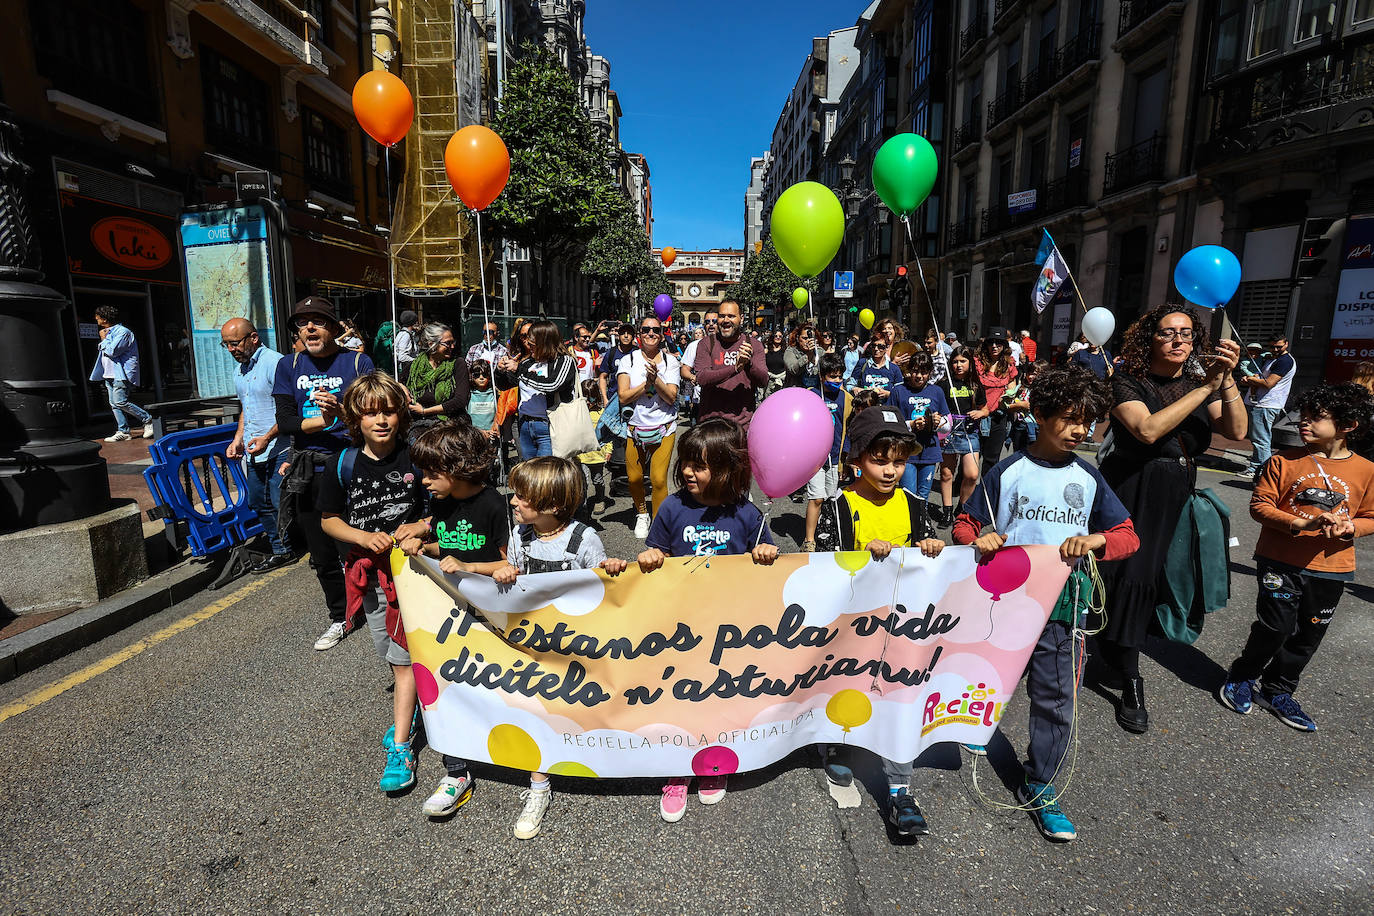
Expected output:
(343, 468)
(384, 345)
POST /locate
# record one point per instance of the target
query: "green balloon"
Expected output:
(904, 172)
(799, 297)
(807, 227)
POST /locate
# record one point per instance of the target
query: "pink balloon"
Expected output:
(1005, 571)
(425, 685)
(715, 761)
(789, 440)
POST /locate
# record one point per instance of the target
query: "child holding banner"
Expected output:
(467, 530)
(1046, 495)
(709, 515)
(545, 494)
(368, 497)
(875, 514)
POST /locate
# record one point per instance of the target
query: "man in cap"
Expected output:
(307, 390)
(406, 346)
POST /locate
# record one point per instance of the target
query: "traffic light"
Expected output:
(853, 310)
(1314, 243)
(899, 291)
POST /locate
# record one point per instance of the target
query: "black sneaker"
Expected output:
(905, 815)
(274, 561)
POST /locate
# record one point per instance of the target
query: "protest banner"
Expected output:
(715, 666)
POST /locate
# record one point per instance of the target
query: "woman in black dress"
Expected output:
(1172, 391)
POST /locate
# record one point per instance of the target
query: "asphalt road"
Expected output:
(231, 768)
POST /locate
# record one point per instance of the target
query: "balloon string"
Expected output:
(935, 323)
(482, 278)
(391, 265)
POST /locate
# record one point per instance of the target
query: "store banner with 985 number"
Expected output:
(228, 275)
(1352, 320)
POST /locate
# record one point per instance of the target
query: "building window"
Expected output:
(97, 50)
(326, 155)
(1315, 17)
(319, 9)
(238, 118)
(1362, 11)
(1230, 18)
(1266, 28)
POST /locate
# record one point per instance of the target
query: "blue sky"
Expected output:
(701, 84)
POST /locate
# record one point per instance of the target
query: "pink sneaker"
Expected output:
(711, 789)
(674, 802)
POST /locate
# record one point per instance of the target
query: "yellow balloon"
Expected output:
(570, 768)
(852, 560)
(866, 318)
(510, 746)
(849, 709)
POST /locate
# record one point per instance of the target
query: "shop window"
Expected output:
(326, 155)
(238, 119)
(97, 51)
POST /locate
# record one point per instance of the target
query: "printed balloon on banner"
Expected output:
(383, 106)
(669, 256)
(511, 746)
(904, 172)
(715, 761)
(663, 306)
(426, 687)
(478, 165)
(807, 227)
(789, 440)
(1098, 326)
(1208, 275)
(849, 709)
(1004, 572)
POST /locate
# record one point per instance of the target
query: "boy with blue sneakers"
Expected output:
(1312, 503)
(1046, 494)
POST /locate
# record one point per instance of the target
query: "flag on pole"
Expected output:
(1053, 273)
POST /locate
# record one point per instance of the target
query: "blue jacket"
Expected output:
(122, 349)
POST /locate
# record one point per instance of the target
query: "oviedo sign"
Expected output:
(109, 240)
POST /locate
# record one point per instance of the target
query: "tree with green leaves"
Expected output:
(765, 280)
(654, 284)
(618, 254)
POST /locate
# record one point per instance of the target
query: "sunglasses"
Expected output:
(651, 329)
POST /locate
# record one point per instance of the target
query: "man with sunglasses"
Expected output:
(729, 368)
(255, 441)
(307, 390)
(489, 349)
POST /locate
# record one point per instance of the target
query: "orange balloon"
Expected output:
(383, 106)
(669, 256)
(478, 165)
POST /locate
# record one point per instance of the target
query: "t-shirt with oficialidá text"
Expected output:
(471, 530)
(377, 494)
(684, 527)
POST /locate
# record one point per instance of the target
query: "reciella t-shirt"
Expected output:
(684, 527)
(300, 375)
(471, 530)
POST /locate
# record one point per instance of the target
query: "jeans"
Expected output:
(917, 478)
(1261, 430)
(264, 495)
(534, 438)
(118, 392)
(1293, 612)
(1023, 432)
(1050, 689)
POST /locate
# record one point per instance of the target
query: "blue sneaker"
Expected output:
(389, 739)
(1043, 801)
(838, 773)
(905, 815)
(399, 772)
(977, 750)
(1239, 695)
(1289, 712)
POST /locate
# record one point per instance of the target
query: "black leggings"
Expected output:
(326, 555)
(996, 438)
(1121, 659)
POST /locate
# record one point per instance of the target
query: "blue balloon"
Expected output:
(1208, 276)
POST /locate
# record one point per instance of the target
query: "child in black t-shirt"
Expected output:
(369, 498)
(468, 530)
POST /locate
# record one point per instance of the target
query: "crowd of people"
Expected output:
(350, 461)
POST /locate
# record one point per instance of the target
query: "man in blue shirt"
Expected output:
(255, 442)
(116, 365)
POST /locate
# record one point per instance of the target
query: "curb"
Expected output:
(47, 642)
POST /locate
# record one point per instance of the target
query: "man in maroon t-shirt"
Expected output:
(729, 368)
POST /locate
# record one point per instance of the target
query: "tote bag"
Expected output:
(571, 430)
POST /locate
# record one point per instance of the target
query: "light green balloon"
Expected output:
(799, 297)
(904, 172)
(807, 227)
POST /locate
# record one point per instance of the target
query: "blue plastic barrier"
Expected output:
(189, 472)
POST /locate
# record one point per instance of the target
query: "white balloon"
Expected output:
(1098, 326)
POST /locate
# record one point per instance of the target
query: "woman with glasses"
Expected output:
(801, 358)
(775, 358)
(518, 348)
(546, 376)
(438, 382)
(826, 341)
(648, 380)
(1173, 391)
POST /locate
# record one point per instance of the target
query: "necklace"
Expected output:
(549, 535)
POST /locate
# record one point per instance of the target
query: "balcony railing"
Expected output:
(1296, 87)
(1039, 80)
(1002, 107)
(1005, 8)
(1061, 194)
(977, 30)
(1065, 193)
(1083, 48)
(968, 133)
(961, 232)
(1134, 165)
(1134, 12)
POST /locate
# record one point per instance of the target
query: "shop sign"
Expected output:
(117, 242)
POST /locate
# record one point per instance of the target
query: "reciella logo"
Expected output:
(131, 243)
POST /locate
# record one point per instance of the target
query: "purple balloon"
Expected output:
(789, 440)
(663, 306)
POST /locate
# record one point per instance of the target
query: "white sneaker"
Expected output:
(641, 523)
(450, 795)
(536, 803)
(119, 437)
(331, 637)
(147, 430)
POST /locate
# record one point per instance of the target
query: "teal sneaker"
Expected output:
(389, 739)
(399, 772)
(977, 750)
(1043, 801)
